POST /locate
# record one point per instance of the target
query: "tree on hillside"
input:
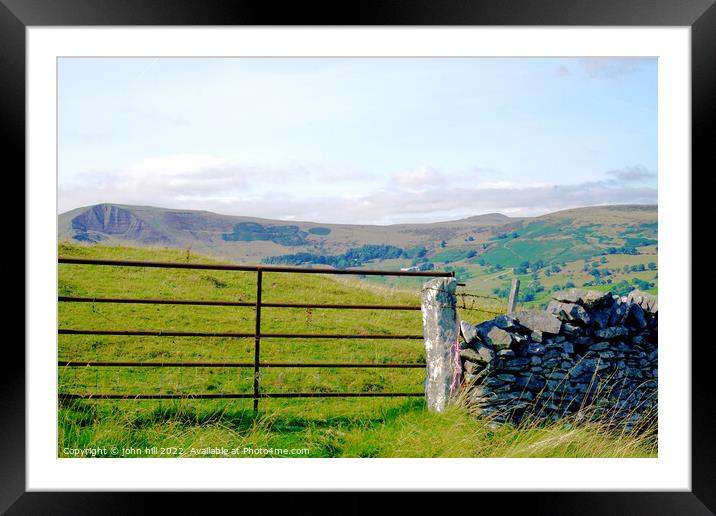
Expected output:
(641, 284)
(622, 288)
(501, 292)
(495, 268)
(426, 266)
(417, 252)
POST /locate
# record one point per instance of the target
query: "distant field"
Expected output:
(356, 427)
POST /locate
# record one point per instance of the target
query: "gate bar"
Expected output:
(242, 395)
(79, 363)
(70, 299)
(154, 333)
(254, 268)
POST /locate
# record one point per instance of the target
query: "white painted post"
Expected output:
(440, 330)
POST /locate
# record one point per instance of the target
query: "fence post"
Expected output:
(514, 291)
(440, 330)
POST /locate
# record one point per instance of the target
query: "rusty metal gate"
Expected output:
(257, 335)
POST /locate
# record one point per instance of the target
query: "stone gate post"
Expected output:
(440, 330)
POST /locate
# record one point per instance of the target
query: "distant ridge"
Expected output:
(253, 239)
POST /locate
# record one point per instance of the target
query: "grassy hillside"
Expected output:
(606, 247)
(358, 427)
(251, 239)
(611, 248)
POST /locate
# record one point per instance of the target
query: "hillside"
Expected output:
(595, 246)
(249, 239)
(354, 427)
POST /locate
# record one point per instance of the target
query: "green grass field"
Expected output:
(352, 427)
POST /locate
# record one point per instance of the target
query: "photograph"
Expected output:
(418, 249)
(357, 257)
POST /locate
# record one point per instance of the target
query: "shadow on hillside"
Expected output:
(84, 413)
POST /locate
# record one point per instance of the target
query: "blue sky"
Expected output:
(381, 141)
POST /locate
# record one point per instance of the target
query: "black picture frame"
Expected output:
(700, 15)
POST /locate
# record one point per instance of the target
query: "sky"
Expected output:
(357, 140)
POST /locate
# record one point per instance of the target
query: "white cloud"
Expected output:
(633, 174)
(303, 192)
(424, 178)
(610, 68)
(176, 164)
(509, 185)
(421, 177)
(177, 177)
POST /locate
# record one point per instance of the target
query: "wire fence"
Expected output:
(470, 302)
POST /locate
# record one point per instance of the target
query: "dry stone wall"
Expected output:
(589, 354)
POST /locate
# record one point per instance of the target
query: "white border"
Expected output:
(671, 471)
